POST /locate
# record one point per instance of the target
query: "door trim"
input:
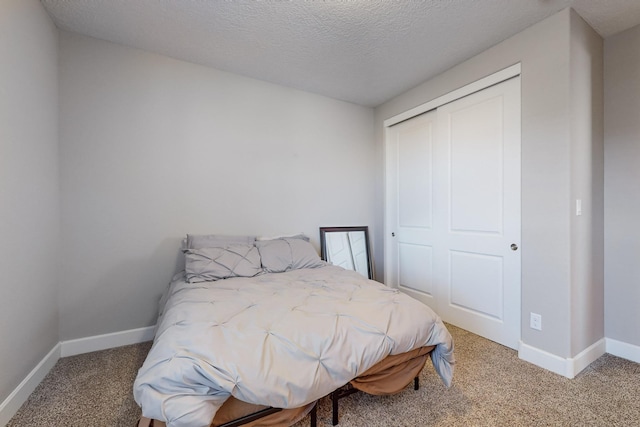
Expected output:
(495, 78)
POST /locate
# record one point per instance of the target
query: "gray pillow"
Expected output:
(280, 255)
(234, 260)
(196, 241)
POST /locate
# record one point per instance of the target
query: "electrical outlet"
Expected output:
(535, 321)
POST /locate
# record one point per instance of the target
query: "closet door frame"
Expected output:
(478, 85)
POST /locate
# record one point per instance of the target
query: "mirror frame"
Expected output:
(365, 229)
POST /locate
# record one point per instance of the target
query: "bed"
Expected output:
(267, 325)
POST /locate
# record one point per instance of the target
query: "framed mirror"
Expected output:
(347, 247)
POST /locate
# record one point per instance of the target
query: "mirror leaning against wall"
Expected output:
(347, 247)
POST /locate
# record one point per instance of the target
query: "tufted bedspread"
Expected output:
(281, 339)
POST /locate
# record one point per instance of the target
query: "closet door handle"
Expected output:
(514, 247)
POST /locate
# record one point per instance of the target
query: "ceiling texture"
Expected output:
(360, 51)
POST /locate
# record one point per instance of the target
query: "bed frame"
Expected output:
(348, 390)
(335, 396)
(268, 411)
(313, 414)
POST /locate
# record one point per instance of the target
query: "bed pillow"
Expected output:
(234, 260)
(284, 236)
(288, 253)
(198, 241)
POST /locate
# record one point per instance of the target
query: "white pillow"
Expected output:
(284, 236)
(287, 253)
(234, 260)
(197, 241)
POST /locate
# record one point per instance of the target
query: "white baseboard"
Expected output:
(587, 356)
(623, 349)
(543, 359)
(567, 367)
(106, 341)
(14, 401)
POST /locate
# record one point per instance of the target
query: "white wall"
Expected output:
(622, 186)
(29, 192)
(548, 135)
(153, 148)
(587, 185)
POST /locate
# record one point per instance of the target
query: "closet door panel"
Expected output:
(409, 177)
(478, 213)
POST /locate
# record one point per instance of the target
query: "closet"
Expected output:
(452, 225)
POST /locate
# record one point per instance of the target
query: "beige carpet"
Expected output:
(492, 387)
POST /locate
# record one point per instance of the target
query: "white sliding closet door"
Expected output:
(453, 211)
(410, 182)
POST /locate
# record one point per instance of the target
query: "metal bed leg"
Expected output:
(340, 393)
(337, 395)
(334, 406)
(314, 415)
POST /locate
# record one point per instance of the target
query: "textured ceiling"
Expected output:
(361, 51)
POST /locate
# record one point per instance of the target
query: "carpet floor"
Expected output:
(491, 387)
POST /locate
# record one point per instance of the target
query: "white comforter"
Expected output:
(283, 340)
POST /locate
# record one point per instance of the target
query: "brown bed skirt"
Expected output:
(388, 376)
(393, 373)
